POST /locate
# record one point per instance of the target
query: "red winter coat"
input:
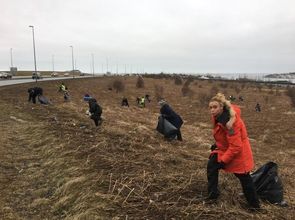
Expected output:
(233, 148)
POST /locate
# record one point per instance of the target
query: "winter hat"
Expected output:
(162, 102)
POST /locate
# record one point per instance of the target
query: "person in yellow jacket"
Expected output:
(141, 102)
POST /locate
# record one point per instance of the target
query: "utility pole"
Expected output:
(11, 63)
(53, 63)
(36, 75)
(107, 65)
(73, 60)
(92, 55)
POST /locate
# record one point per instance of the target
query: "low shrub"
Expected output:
(178, 80)
(140, 82)
(118, 85)
(159, 92)
(291, 93)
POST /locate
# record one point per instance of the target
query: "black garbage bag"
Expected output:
(165, 127)
(268, 184)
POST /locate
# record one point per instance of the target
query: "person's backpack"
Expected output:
(165, 127)
(268, 184)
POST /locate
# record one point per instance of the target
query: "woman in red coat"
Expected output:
(231, 151)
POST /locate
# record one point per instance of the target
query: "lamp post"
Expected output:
(107, 65)
(36, 75)
(12, 71)
(73, 60)
(92, 55)
(53, 64)
(11, 57)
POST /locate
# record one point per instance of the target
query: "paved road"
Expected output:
(18, 80)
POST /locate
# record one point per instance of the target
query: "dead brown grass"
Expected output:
(54, 163)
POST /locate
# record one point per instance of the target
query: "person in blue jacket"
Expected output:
(167, 112)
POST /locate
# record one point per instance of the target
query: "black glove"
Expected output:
(164, 116)
(220, 165)
(213, 147)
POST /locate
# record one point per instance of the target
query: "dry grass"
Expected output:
(54, 163)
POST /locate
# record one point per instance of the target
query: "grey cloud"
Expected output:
(166, 35)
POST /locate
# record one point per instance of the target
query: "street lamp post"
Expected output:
(36, 75)
(11, 62)
(73, 60)
(92, 55)
(12, 71)
(52, 63)
(107, 65)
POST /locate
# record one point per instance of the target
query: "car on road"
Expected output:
(66, 74)
(4, 75)
(54, 74)
(36, 75)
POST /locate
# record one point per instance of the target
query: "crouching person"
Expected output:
(124, 102)
(95, 111)
(167, 112)
(231, 151)
(33, 93)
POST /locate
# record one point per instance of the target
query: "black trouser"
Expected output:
(96, 119)
(30, 97)
(33, 98)
(245, 179)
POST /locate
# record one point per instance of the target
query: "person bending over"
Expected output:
(95, 111)
(167, 112)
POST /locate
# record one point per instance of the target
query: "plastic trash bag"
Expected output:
(43, 100)
(165, 127)
(268, 184)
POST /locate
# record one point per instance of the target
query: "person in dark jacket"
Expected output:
(33, 93)
(167, 112)
(125, 102)
(96, 111)
(257, 107)
(147, 97)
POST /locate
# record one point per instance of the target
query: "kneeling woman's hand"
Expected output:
(220, 165)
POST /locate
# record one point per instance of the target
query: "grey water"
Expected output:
(252, 76)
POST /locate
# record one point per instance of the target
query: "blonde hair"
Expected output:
(220, 98)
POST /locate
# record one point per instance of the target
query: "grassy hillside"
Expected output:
(55, 164)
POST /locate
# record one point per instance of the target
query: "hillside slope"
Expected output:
(55, 164)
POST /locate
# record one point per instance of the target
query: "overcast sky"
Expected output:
(192, 36)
